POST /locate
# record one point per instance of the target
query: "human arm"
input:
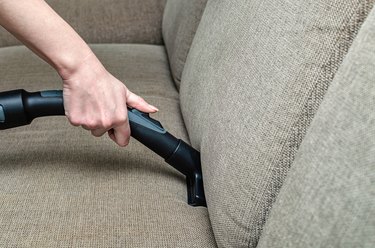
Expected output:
(93, 98)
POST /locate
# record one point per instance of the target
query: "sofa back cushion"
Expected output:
(109, 21)
(328, 198)
(180, 22)
(254, 78)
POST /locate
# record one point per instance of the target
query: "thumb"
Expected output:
(139, 103)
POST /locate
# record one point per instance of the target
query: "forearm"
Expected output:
(39, 27)
(93, 98)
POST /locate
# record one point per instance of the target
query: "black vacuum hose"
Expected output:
(19, 107)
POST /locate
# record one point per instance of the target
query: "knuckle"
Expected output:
(92, 124)
(106, 123)
(75, 121)
(124, 143)
(120, 120)
(96, 133)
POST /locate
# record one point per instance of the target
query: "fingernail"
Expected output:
(153, 108)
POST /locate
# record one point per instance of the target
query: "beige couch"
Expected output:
(278, 96)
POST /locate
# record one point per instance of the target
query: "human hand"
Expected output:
(93, 98)
(97, 101)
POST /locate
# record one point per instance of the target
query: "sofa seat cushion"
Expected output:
(60, 186)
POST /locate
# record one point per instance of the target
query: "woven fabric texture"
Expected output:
(328, 199)
(254, 78)
(61, 187)
(180, 22)
(108, 21)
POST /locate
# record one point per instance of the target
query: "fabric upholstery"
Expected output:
(254, 78)
(180, 22)
(108, 21)
(328, 199)
(61, 187)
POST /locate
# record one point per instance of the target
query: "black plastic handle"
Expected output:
(19, 107)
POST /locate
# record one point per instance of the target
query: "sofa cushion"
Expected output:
(61, 187)
(109, 21)
(254, 78)
(328, 199)
(180, 22)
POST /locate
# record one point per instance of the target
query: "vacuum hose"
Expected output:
(19, 107)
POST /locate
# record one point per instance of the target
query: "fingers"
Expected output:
(119, 131)
(111, 134)
(139, 103)
(120, 135)
(101, 105)
(98, 132)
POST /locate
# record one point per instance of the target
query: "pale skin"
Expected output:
(93, 98)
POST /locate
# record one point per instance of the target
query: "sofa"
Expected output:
(278, 97)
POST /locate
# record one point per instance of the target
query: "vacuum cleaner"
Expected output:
(19, 107)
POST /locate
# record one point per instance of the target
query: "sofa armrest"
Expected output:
(108, 21)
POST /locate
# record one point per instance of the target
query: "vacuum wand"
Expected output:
(19, 107)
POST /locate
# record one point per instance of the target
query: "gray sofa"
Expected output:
(278, 96)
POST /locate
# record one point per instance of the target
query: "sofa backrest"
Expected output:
(180, 22)
(110, 21)
(328, 198)
(255, 76)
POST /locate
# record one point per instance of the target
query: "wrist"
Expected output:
(71, 66)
